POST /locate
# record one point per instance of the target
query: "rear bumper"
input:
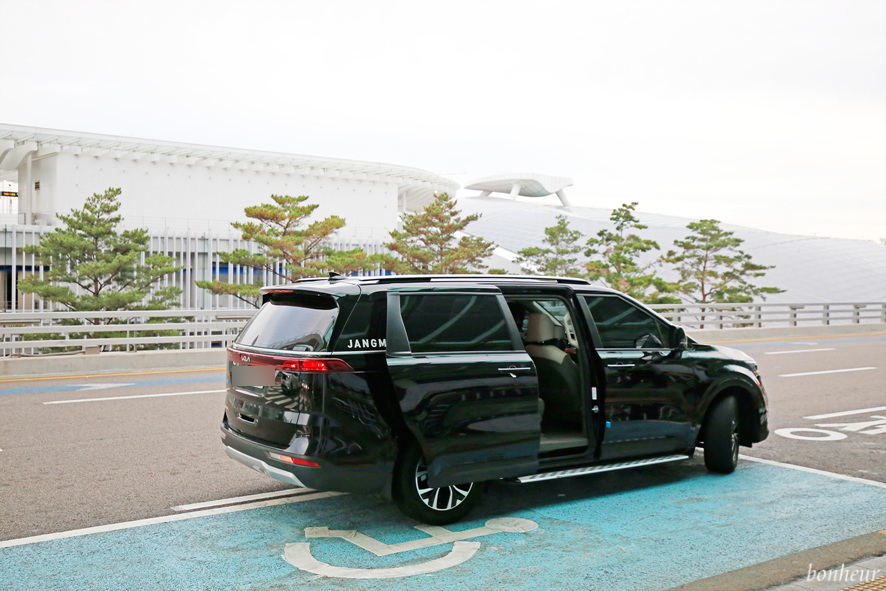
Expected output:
(263, 467)
(357, 477)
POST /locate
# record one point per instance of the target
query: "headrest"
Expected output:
(542, 328)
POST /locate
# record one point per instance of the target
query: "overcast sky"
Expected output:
(769, 114)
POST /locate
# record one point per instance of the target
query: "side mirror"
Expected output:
(679, 340)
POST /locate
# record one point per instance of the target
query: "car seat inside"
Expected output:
(554, 351)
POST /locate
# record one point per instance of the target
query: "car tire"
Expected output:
(721, 436)
(433, 506)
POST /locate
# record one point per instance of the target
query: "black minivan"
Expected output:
(422, 388)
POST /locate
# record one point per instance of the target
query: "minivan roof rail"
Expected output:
(453, 277)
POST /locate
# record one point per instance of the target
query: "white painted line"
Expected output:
(846, 413)
(105, 386)
(235, 500)
(798, 351)
(818, 373)
(815, 471)
(131, 397)
(74, 533)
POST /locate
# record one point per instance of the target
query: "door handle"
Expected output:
(514, 369)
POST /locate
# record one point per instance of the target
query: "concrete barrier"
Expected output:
(106, 363)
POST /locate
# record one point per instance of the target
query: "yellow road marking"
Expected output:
(104, 375)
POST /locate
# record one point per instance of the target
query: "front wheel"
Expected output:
(431, 505)
(721, 436)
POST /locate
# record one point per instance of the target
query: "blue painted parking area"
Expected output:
(650, 528)
(47, 388)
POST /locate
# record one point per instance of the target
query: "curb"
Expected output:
(783, 570)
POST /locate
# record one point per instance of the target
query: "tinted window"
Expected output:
(364, 328)
(454, 323)
(623, 325)
(292, 322)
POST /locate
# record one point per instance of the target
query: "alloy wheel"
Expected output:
(444, 498)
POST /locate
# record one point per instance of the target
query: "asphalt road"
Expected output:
(80, 464)
(119, 453)
(843, 379)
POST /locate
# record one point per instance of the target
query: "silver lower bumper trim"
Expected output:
(263, 467)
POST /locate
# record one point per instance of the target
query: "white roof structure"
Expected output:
(524, 184)
(416, 187)
(809, 269)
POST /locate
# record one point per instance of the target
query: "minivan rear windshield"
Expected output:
(292, 322)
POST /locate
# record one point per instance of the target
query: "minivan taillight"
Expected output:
(314, 365)
(300, 364)
(329, 365)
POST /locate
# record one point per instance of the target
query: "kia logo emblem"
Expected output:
(244, 358)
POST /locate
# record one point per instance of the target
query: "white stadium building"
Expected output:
(186, 195)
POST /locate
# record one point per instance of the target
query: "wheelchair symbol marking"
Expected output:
(299, 554)
(837, 431)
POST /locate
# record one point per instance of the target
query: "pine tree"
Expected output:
(713, 268)
(110, 267)
(284, 233)
(616, 259)
(560, 258)
(429, 242)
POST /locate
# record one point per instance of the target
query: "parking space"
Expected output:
(119, 482)
(650, 528)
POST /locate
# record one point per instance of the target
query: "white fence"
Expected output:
(197, 253)
(65, 332)
(91, 332)
(765, 314)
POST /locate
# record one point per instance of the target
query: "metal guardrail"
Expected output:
(47, 332)
(759, 314)
(41, 332)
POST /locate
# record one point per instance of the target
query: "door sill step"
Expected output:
(601, 468)
(551, 443)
